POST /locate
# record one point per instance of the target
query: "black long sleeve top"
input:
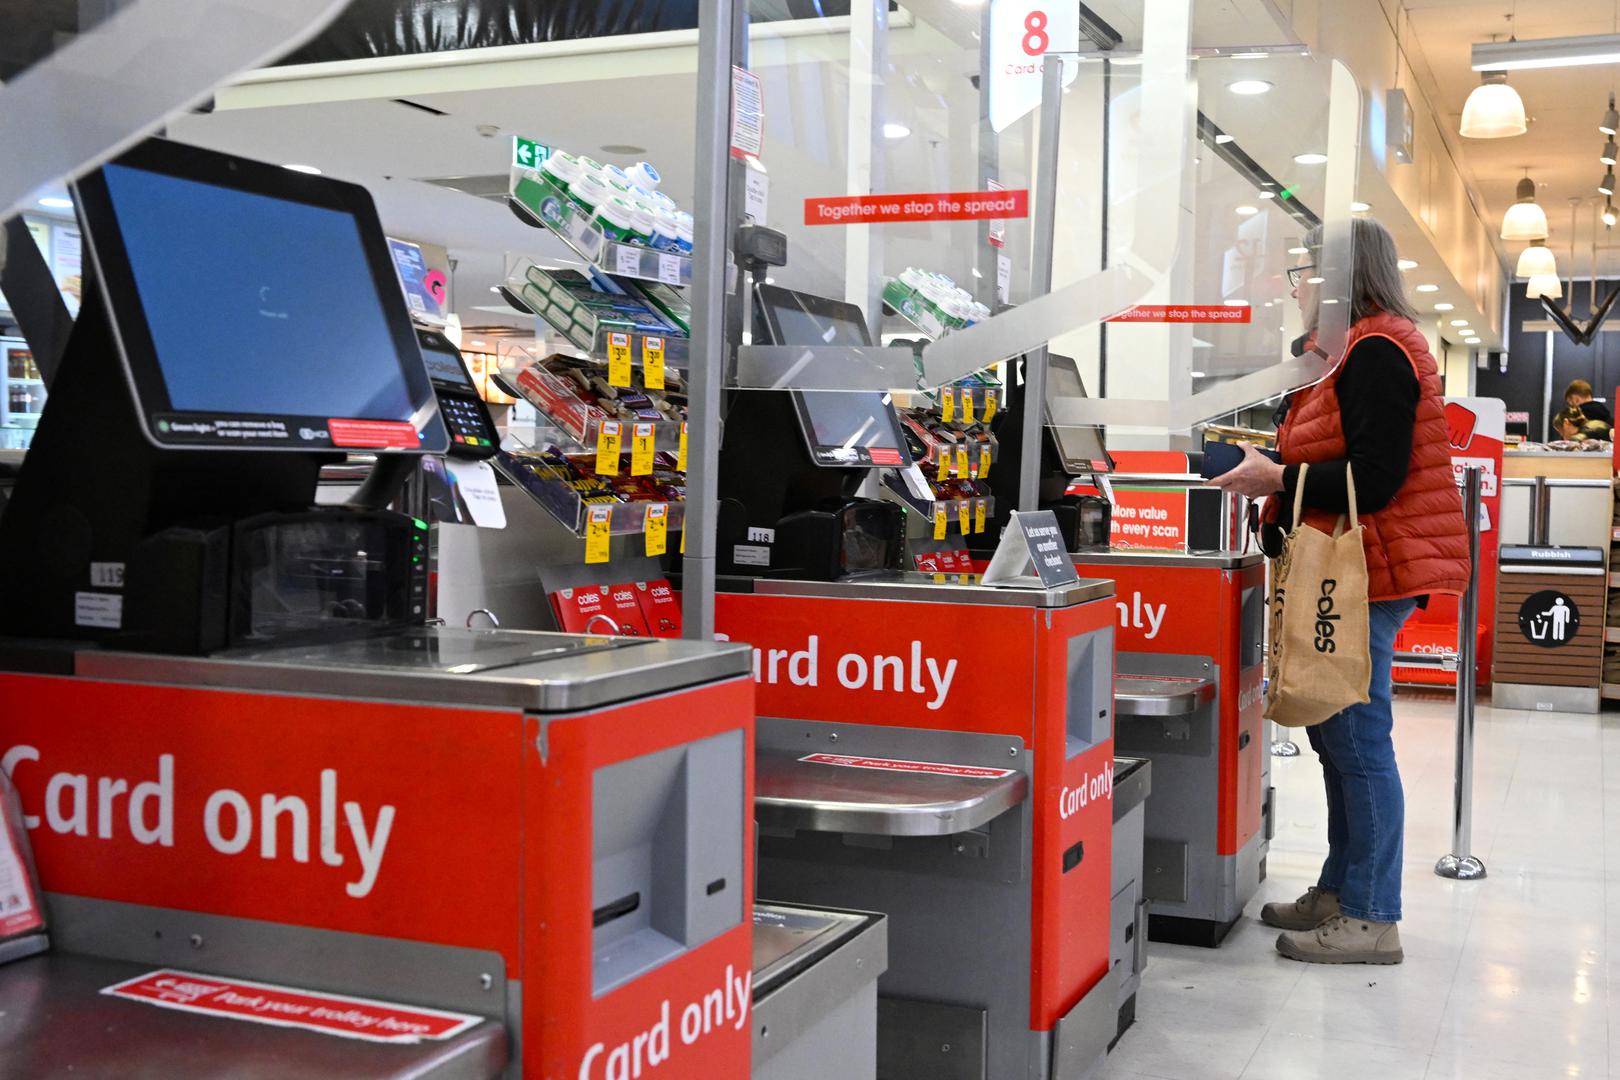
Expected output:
(1378, 396)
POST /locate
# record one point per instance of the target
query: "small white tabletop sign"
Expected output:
(1031, 555)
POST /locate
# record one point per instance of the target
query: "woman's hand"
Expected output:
(1256, 476)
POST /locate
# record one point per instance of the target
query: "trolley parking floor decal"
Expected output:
(286, 1006)
(924, 768)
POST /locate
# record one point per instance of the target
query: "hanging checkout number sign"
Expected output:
(1022, 33)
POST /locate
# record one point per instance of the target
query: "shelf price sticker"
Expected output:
(978, 515)
(669, 269)
(962, 462)
(939, 521)
(656, 529)
(598, 533)
(984, 460)
(641, 449)
(627, 260)
(964, 516)
(652, 362)
(680, 455)
(989, 406)
(618, 359)
(944, 463)
(967, 406)
(607, 448)
(947, 404)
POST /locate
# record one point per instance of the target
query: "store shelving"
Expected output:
(536, 475)
(536, 203)
(535, 290)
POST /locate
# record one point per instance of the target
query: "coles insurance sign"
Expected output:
(1022, 33)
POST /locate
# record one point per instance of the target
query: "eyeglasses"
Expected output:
(1296, 274)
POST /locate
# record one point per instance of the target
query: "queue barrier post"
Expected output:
(1460, 864)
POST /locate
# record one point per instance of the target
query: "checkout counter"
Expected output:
(269, 804)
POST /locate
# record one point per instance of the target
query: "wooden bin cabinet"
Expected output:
(1577, 662)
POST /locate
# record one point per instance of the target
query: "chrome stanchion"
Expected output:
(1460, 865)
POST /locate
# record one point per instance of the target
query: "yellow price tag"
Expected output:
(680, 455)
(989, 405)
(641, 449)
(939, 579)
(618, 359)
(598, 531)
(944, 464)
(964, 515)
(947, 404)
(978, 515)
(967, 405)
(939, 521)
(683, 542)
(656, 529)
(607, 449)
(962, 462)
(652, 363)
(984, 460)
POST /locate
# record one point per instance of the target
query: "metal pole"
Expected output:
(1460, 864)
(1540, 512)
(718, 29)
(1041, 229)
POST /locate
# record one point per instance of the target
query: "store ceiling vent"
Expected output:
(493, 187)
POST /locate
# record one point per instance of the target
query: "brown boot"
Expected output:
(1343, 940)
(1306, 913)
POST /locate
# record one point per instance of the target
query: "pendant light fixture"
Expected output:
(1536, 260)
(1611, 153)
(1525, 220)
(1494, 110)
(1611, 121)
(1606, 185)
(1546, 285)
(1609, 216)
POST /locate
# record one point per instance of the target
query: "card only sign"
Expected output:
(1032, 554)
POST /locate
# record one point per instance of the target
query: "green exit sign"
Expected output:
(528, 154)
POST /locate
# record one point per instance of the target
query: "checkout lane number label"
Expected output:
(926, 768)
(286, 1006)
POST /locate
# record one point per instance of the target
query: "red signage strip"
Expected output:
(932, 768)
(1183, 313)
(375, 434)
(284, 1006)
(921, 206)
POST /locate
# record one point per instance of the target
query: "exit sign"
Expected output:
(528, 154)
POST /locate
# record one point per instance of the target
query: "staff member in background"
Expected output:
(1575, 425)
(1378, 414)
(1578, 395)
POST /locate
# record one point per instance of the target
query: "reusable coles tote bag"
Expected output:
(1319, 657)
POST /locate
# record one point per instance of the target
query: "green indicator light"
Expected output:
(416, 558)
(1286, 193)
(420, 524)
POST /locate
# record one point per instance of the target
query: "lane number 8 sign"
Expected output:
(1022, 34)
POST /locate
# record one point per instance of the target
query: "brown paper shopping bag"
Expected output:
(1319, 661)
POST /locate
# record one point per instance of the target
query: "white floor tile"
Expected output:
(1284, 1056)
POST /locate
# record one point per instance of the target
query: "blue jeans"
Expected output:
(1366, 806)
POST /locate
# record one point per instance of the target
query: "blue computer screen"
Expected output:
(257, 304)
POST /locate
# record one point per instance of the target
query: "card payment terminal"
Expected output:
(472, 432)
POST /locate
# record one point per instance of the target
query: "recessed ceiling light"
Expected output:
(1331, 300)
(1459, 322)
(1222, 139)
(55, 202)
(1197, 374)
(1314, 280)
(1359, 207)
(1310, 159)
(1249, 87)
(1248, 56)
(1268, 194)
(1428, 288)
(1406, 264)
(1299, 251)
(1444, 307)
(770, 281)
(310, 169)
(1235, 303)
(1247, 210)
(476, 344)
(1471, 340)
(895, 130)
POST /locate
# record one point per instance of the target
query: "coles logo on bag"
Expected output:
(1326, 616)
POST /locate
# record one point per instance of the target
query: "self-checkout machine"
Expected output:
(250, 768)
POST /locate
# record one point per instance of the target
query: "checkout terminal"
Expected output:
(253, 771)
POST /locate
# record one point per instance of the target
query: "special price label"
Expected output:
(641, 449)
(652, 362)
(618, 359)
(656, 529)
(598, 533)
(607, 448)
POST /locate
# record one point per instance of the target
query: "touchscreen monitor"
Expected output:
(256, 307)
(847, 428)
(1082, 448)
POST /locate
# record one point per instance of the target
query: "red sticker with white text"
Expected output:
(928, 768)
(373, 434)
(285, 1006)
(919, 206)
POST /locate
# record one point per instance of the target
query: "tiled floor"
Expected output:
(1505, 979)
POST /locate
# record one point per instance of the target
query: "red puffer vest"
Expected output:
(1417, 544)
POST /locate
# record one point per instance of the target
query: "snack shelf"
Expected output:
(956, 510)
(537, 475)
(933, 449)
(582, 422)
(531, 289)
(537, 203)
